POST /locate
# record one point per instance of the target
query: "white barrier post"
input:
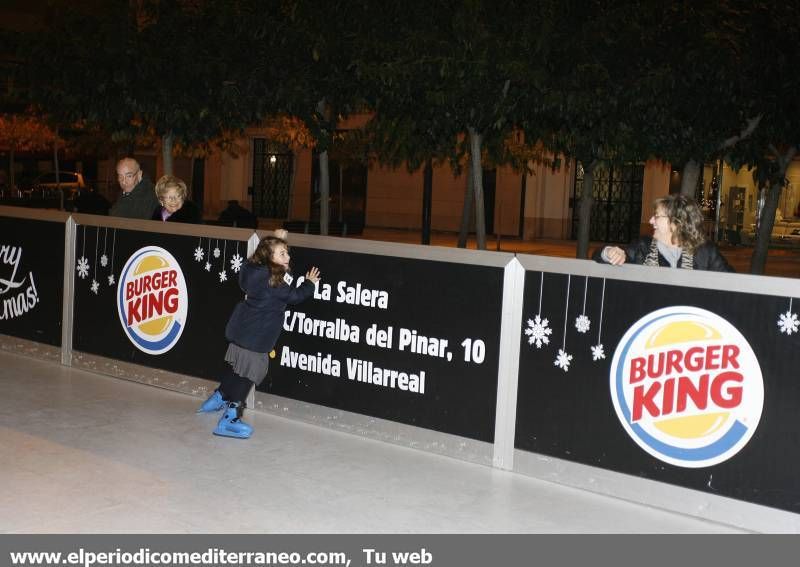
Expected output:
(508, 368)
(68, 307)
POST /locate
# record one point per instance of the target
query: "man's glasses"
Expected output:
(127, 176)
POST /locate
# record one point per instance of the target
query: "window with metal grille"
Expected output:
(272, 178)
(617, 207)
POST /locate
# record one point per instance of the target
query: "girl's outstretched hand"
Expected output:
(281, 233)
(313, 275)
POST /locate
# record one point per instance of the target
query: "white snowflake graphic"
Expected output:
(563, 360)
(95, 286)
(538, 331)
(223, 276)
(582, 323)
(111, 280)
(83, 267)
(104, 260)
(208, 266)
(236, 263)
(597, 352)
(788, 323)
(217, 252)
(199, 254)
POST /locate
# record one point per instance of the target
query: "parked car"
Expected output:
(70, 182)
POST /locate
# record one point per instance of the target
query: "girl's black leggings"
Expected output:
(234, 388)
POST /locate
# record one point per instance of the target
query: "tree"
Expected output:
(302, 65)
(691, 101)
(23, 133)
(450, 83)
(163, 69)
(771, 55)
(584, 112)
(402, 131)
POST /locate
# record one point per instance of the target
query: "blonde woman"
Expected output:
(173, 204)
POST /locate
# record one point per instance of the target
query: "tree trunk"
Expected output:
(111, 177)
(324, 193)
(476, 171)
(58, 176)
(190, 182)
(585, 211)
(12, 183)
(341, 192)
(167, 141)
(292, 177)
(466, 214)
(324, 172)
(689, 178)
(427, 200)
(523, 189)
(767, 220)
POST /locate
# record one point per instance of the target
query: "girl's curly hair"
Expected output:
(263, 257)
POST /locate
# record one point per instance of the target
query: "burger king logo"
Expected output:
(152, 301)
(687, 386)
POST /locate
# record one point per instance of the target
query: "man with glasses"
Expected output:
(138, 198)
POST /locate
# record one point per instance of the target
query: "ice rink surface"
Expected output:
(85, 453)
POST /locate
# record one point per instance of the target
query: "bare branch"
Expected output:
(752, 124)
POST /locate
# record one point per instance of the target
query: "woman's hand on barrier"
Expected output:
(614, 255)
(313, 275)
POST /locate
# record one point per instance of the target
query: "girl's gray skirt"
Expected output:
(248, 364)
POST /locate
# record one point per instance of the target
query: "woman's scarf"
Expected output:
(686, 259)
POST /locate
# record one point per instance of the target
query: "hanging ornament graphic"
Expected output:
(83, 267)
(198, 252)
(236, 260)
(111, 279)
(95, 285)
(104, 258)
(788, 322)
(223, 275)
(564, 359)
(208, 264)
(582, 322)
(83, 263)
(216, 250)
(538, 329)
(597, 350)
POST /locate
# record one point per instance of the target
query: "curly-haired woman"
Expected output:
(678, 240)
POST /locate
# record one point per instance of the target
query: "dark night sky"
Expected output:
(21, 15)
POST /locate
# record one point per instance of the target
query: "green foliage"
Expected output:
(446, 67)
(597, 81)
(133, 69)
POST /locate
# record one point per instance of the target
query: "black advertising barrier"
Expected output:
(157, 299)
(689, 386)
(404, 339)
(32, 277)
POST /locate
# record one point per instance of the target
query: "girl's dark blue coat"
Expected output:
(257, 320)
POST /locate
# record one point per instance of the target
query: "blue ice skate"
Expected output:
(231, 424)
(213, 403)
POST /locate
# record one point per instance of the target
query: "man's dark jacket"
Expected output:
(138, 204)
